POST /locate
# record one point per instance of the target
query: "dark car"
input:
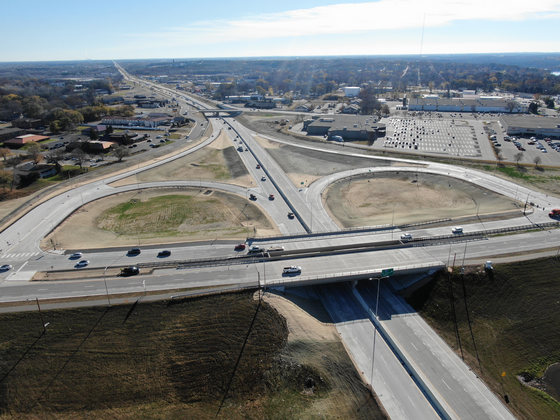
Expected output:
(134, 251)
(291, 215)
(240, 247)
(130, 271)
(165, 253)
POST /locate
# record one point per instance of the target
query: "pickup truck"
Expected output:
(255, 249)
(292, 270)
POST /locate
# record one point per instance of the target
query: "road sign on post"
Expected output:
(387, 272)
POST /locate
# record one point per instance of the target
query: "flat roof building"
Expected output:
(519, 125)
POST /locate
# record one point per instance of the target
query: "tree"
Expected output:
(6, 178)
(55, 127)
(549, 102)
(80, 156)
(533, 108)
(5, 152)
(536, 161)
(93, 134)
(511, 105)
(13, 161)
(109, 130)
(120, 152)
(34, 106)
(385, 109)
(518, 157)
(34, 152)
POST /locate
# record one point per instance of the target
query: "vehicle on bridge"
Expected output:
(292, 270)
(76, 255)
(239, 247)
(165, 253)
(256, 249)
(406, 236)
(457, 229)
(275, 249)
(83, 263)
(554, 213)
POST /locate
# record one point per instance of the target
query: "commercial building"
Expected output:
(349, 127)
(351, 91)
(19, 141)
(465, 105)
(529, 125)
(10, 133)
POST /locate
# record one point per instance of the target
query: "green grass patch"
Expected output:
(514, 314)
(160, 215)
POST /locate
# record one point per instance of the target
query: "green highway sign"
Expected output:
(388, 272)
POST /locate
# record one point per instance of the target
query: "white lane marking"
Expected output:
(22, 266)
(446, 384)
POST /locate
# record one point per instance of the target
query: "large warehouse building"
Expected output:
(349, 127)
(529, 125)
(465, 105)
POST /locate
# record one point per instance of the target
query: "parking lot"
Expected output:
(456, 138)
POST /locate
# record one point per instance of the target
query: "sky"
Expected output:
(125, 29)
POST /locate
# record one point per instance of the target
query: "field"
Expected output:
(160, 215)
(219, 161)
(178, 359)
(386, 199)
(514, 314)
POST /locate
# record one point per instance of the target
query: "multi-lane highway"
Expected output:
(402, 396)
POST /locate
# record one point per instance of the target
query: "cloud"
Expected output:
(356, 18)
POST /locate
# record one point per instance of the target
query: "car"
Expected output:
(457, 229)
(271, 197)
(246, 149)
(158, 137)
(406, 236)
(162, 141)
(130, 271)
(134, 145)
(83, 263)
(294, 269)
(263, 178)
(6, 267)
(255, 249)
(291, 215)
(252, 197)
(240, 247)
(134, 251)
(165, 253)
(76, 255)
(258, 166)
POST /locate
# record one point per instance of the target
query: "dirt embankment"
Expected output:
(394, 198)
(160, 216)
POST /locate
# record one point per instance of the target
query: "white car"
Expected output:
(263, 178)
(6, 267)
(76, 255)
(292, 270)
(83, 263)
(457, 229)
(406, 236)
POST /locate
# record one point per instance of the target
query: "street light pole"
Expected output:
(393, 221)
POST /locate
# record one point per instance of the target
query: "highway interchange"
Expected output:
(411, 369)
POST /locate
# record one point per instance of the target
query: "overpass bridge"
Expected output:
(217, 111)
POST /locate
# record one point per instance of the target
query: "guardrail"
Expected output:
(346, 231)
(374, 273)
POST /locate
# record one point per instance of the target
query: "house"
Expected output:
(97, 146)
(30, 169)
(302, 108)
(113, 100)
(10, 133)
(351, 109)
(24, 122)
(101, 129)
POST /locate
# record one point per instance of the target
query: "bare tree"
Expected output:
(80, 156)
(120, 152)
(536, 161)
(14, 161)
(34, 152)
(518, 157)
(5, 152)
(499, 158)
